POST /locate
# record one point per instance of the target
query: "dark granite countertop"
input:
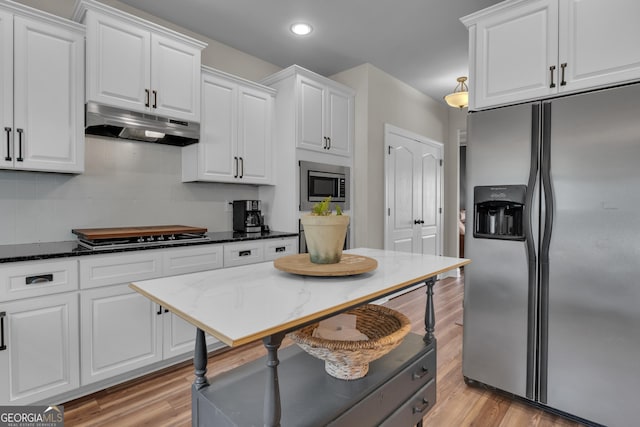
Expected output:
(65, 249)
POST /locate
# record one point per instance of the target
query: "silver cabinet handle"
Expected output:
(236, 161)
(19, 158)
(329, 141)
(155, 98)
(241, 167)
(552, 69)
(146, 102)
(41, 278)
(8, 156)
(420, 409)
(244, 253)
(418, 375)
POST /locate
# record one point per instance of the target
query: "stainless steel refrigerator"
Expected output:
(552, 297)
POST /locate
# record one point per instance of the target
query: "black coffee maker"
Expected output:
(247, 217)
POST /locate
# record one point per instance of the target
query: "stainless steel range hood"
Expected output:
(113, 122)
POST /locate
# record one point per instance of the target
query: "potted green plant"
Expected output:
(325, 232)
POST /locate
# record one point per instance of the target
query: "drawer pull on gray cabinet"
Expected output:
(420, 409)
(42, 278)
(281, 249)
(244, 253)
(2, 344)
(417, 375)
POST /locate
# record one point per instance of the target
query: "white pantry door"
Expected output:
(413, 183)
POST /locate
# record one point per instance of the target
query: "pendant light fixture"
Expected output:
(460, 96)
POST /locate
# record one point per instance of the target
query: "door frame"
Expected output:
(391, 129)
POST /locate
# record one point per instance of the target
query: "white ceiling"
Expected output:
(421, 42)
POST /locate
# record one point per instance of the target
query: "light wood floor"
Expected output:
(164, 399)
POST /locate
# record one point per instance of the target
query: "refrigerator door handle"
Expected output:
(531, 251)
(545, 175)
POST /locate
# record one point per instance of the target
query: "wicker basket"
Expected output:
(349, 360)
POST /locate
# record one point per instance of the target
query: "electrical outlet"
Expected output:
(228, 206)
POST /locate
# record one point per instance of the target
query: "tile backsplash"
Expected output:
(125, 183)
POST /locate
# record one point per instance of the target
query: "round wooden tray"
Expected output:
(350, 264)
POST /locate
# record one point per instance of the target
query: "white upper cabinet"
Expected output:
(41, 92)
(513, 51)
(137, 65)
(235, 133)
(523, 50)
(598, 43)
(325, 117)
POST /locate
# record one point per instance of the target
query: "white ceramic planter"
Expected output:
(325, 237)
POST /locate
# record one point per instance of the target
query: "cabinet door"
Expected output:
(118, 63)
(180, 337)
(216, 157)
(514, 50)
(48, 97)
(175, 79)
(311, 107)
(254, 136)
(120, 331)
(599, 42)
(41, 355)
(340, 122)
(6, 88)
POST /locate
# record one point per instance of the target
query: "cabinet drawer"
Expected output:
(29, 279)
(391, 395)
(115, 269)
(274, 249)
(415, 408)
(190, 260)
(243, 253)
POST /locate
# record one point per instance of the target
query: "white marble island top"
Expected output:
(243, 304)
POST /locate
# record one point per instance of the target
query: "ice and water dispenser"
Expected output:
(499, 212)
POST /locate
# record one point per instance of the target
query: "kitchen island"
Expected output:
(245, 304)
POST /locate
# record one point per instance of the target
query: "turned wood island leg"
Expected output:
(272, 408)
(429, 315)
(200, 361)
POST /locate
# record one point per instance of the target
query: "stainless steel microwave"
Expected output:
(319, 180)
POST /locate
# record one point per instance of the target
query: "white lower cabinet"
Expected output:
(243, 253)
(191, 259)
(57, 339)
(276, 248)
(119, 332)
(180, 336)
(39, 350)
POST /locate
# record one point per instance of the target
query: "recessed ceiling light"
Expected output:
(301, 29)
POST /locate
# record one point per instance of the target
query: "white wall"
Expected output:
(457, 122)
(125, 183)
(382, 99)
